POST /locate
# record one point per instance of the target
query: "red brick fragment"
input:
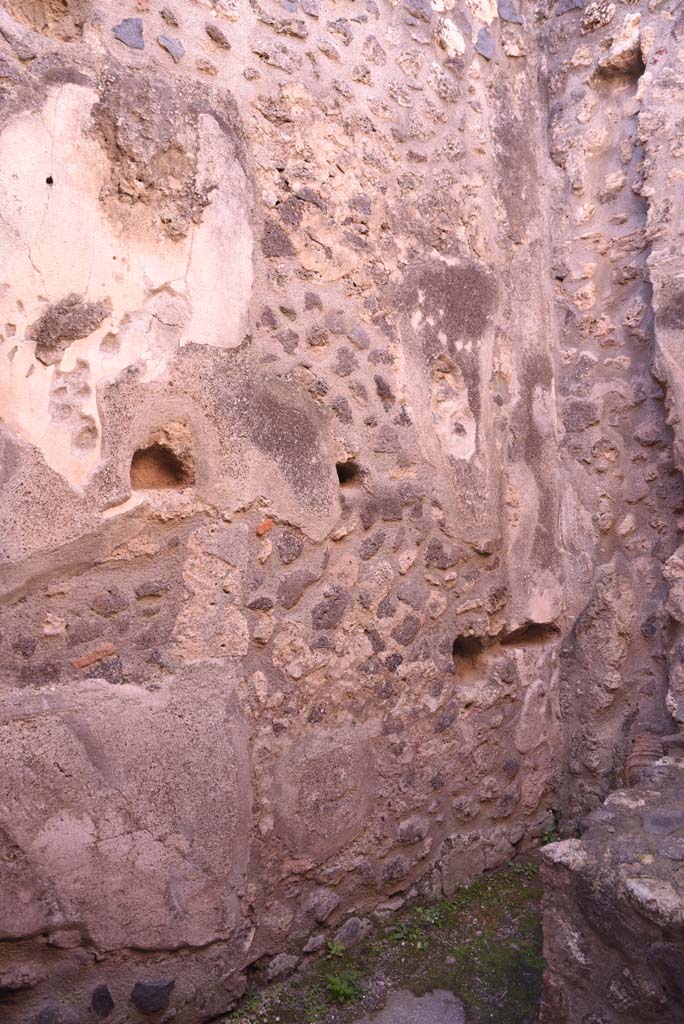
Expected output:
(106, 651)
(264, 527)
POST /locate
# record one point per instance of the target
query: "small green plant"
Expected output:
(343, 987)
(399, 932)
(528, 870)
(410, 935)
(430, 915)
(550, 837)
(335, 949)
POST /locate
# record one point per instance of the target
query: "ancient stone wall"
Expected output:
(613, 903)
(309, 603)
(281, 486)
(622, 481)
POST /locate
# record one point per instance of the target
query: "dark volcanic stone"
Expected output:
(218, 36)
(342, 409)
(275, 242)
(152, 996)
(328, 613)
(102, 1003)
(110, 669)
(345, 363)
(485, 44)
(407, 630)
(439, 556)
(508, 13)
(289, 546)
(371, 545)
(580, 414)
(172, 46)
(130, 32)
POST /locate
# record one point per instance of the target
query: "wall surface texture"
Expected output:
(340, 494)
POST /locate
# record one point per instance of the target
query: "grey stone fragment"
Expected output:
(421, 9)
(565, 6)
(485, 44)
(315, 943)
(292, 587)
(172, 46)
(310, 7)
(152, 996)
(507, 12)
(320, 904)
(218, 36)
(130, 33)
(352, 931)
(413, 593)
(281, 965)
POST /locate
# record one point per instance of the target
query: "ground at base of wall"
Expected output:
(483, 944)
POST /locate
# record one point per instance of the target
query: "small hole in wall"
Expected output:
(158, 468)
(348, 473)
(467, 647)
(49, 180)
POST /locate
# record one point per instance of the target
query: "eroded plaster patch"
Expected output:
(56, 242)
